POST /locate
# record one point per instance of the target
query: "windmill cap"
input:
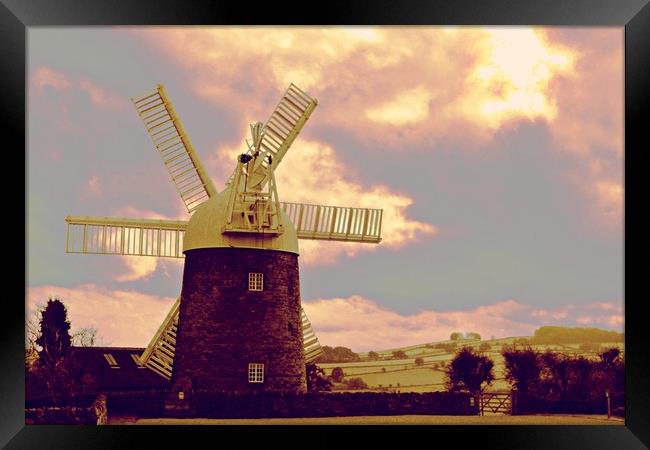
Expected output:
(205, 230)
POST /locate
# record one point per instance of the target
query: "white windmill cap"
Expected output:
(205, 230)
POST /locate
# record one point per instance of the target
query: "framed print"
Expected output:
(372, 215)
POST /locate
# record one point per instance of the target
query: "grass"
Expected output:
(389, 420)
(405, 376)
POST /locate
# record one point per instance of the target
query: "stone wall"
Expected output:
(223, 326)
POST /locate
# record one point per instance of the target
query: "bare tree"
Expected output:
(85, 337)
(33, 327)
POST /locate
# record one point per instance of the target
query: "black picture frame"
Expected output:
(17, 15)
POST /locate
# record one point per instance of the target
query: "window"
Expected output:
(111, 361)
(256, 373)
(255, 281)
(136, 359)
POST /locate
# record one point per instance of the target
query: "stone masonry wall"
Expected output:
(223, 326)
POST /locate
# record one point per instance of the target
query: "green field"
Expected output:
(403, 375)
(390, 420)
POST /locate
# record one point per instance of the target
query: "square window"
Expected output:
(255, 281)
(256, 373)
(136, 360)
(111, 361)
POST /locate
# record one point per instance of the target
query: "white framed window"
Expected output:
(255, 281)
(111, 361)
(136, 360)
(256, 373)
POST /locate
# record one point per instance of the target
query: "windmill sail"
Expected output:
(174, 145)
(117, 236)
(310, 344)
(280, 131)
(335, 223)
(159, 354)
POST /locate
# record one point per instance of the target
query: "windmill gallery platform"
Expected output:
(237, 327)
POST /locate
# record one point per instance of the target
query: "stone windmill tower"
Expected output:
(238, 325)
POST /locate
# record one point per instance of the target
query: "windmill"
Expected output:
(238, 324)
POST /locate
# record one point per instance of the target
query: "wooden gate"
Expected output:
(496, 402)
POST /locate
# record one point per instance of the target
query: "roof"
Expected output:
(114, 368)
(205, 227)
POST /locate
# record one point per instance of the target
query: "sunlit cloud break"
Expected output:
(312, 173)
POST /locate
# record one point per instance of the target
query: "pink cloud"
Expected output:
(423, 84)
(129, 318)
(100, 97)
(122, 318)
(364, 325)
(44, 77)
(93, 187)
(142, 267)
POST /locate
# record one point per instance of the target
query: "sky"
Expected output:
(495, 153)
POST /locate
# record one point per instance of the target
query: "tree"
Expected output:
(455, 336)
(484, 347)
(418, 361)
(468, 371)
(399, 354)
(356, 383)
(338, 354)
(54, 338)
(84, 337)
(554, 374)
(475, 336)
(373, 356)
(337, 374)
(51, 374)
(316, 380)
(609, 358)
(522, 368)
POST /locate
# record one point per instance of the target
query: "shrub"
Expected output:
(356, 383)
(337, 374)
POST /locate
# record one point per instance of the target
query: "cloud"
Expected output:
(432, 79)
(141, 267)
(93, 187)
(129, 318)
(405, 89)
(313, 173)
(100, 97)
(122, 318)
(411, 106)
(44, 77)
(364, 325)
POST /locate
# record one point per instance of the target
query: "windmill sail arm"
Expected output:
(282, 128)
(122, 236)
(175, 147)
(310, 344)
(335, 223)
(159, 354)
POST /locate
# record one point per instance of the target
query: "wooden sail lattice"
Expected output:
(164, 238)
(335, 223)
(282, 128)
(117, 236)
(173, 143)
(159, 354)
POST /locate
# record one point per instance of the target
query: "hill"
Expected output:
(423, 368)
